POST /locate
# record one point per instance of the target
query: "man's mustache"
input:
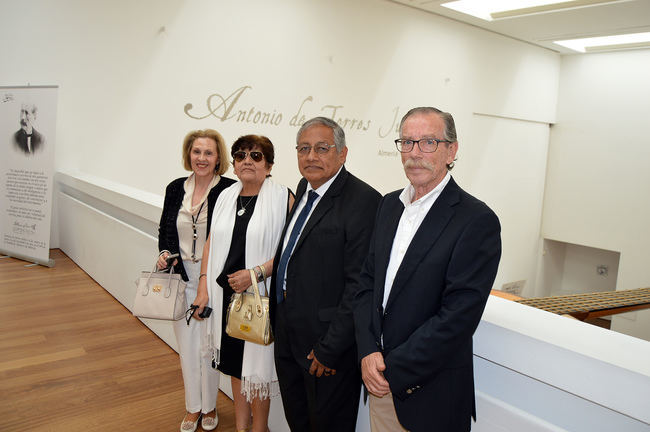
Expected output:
(418, 163)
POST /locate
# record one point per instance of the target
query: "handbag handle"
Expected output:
(256, 290)
(168, 289)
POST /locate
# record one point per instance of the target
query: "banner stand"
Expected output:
(27, 139)
(49, 263)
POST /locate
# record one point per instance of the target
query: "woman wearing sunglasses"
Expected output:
(246, 228)
(184, 227)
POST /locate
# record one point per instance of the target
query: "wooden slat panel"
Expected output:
(590, 305)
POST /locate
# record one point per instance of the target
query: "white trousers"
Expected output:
(201, 381)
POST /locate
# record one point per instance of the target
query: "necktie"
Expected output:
(286, 254)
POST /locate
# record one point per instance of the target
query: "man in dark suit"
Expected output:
(316, 278)
(432, 262)
(27, 139)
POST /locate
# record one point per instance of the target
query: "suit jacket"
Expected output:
(20, 141)
(167, 230)
(323, 272)
(435, 304)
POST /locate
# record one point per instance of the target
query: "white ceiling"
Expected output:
(624, 16)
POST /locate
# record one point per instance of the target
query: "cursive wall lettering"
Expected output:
(233, 107)
(218, 106)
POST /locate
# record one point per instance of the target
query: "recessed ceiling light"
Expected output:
(490, 10)
(606, 43)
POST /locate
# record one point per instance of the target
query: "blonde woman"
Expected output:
(184, 226)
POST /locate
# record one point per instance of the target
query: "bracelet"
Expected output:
(263, 272)
(202, 274)
(258, 273)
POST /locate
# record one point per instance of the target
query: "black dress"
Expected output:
(232, 350)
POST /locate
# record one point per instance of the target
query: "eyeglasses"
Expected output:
(426, 145)
(240, 155)
(320, 148)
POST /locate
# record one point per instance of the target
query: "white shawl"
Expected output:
(259, 378)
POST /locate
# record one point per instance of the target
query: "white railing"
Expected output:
(534, 371)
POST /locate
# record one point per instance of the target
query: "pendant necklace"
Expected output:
(242, 210)
(195, 235)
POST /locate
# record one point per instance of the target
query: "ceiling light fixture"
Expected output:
(607, 43)
(490, 10)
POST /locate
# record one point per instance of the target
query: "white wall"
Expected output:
(551, 268)
(598, 181)
(126, 70)
(567, 268)
(517, 150)
(581, 270)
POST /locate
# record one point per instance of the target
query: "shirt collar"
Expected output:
(325, 186)
(189, 186)
(409, 192)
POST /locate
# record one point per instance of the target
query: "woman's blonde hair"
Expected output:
(222, 152)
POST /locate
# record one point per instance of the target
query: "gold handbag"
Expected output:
(248, 316)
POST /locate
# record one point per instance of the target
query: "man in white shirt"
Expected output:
(431, 265)
(315, 280)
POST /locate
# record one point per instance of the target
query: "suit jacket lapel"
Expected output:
(425, 237)
(385, 236)
(300, 191)
(324, 205)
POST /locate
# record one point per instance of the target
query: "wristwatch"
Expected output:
(258, 273)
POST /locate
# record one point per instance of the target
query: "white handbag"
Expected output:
(160, 295)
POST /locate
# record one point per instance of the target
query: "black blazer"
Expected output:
(435, 304)
(167, 231)
(323, 273)
(20, 141)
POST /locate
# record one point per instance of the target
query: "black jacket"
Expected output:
(20, 141)
(167, 231)
(323, 273)
(434, 306)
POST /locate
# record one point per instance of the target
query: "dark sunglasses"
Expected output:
(240, 155)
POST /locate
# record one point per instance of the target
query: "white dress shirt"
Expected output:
(412, 217)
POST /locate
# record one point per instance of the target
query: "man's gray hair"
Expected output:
(339, 135)
(450, 125)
